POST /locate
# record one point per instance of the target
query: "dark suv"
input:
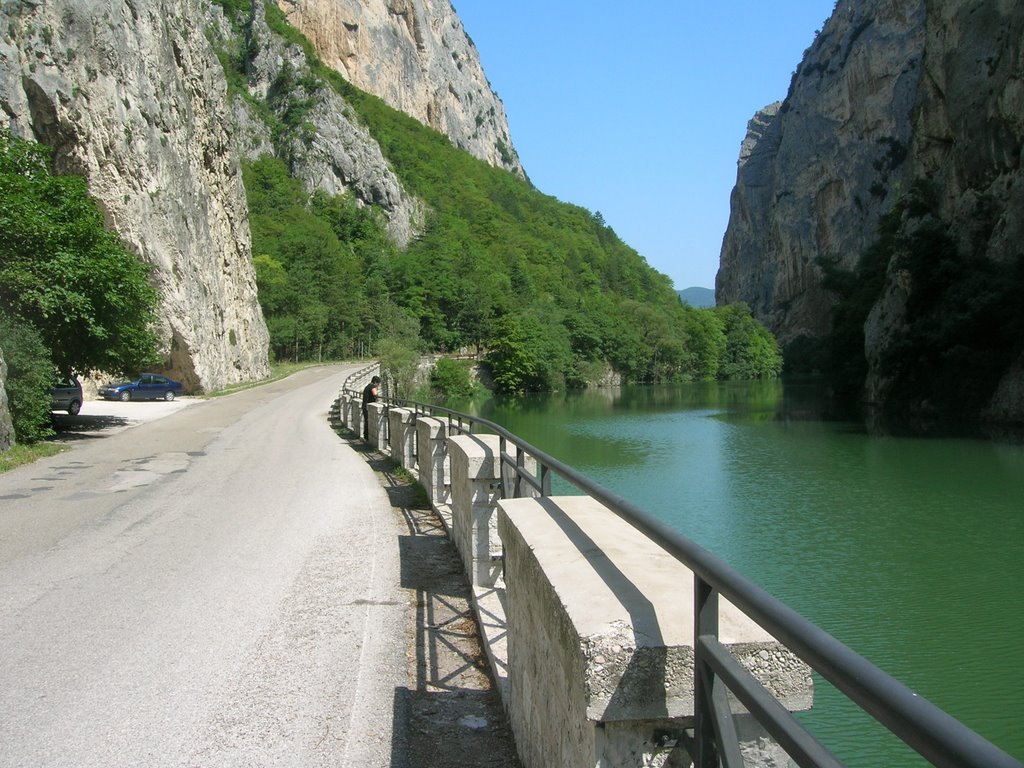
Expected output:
(67, 395)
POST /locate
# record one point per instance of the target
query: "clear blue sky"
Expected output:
(637, 110)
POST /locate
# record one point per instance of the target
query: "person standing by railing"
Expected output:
(370, 395)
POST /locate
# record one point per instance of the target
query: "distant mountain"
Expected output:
(698, 297)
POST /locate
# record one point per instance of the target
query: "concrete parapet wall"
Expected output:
(600, 641)
(402, 424)
(432, 458)
(475, 489)
(588, 623)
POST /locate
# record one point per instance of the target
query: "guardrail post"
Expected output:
(512, 485)
(476, 488)
(403, 432)
(705, 609)
(432, 457)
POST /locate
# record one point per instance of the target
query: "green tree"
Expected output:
(451, 378)
(399, 349)
(530, 353)
(751, 352)
(513, 359)
(310, 276)
(29, 379)
(62, 272)
(705, 338)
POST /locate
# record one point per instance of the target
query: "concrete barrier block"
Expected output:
(377, 433)
(600, 638)
(356, 416)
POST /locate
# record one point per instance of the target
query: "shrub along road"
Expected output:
(220, 586)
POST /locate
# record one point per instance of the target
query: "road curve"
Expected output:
(219, 587)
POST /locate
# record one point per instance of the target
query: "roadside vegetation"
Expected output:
(20, 454)
(73, 299)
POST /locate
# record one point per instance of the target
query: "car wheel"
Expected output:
(126, 396)
(74, 407)
(168, 395)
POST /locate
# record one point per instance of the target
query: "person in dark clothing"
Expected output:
(370, 395)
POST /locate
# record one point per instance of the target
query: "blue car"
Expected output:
(149, 386)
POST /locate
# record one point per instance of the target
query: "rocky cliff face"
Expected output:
(821, 167)
(6, 426)
(132, 96)
(890, 93)
(332, 152)
(968, 138)
(416, 56)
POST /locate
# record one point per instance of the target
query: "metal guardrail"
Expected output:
(937, 736)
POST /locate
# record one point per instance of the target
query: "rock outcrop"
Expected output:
(333, 152)
(416, 56)
(892, 92)
(132, 96)
(6, 426)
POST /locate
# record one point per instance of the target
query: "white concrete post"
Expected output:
(355, 415)
(402, 422)
(345, 405)
(378, 430)
(476, 488)
(434, 464)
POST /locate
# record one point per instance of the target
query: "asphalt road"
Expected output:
(218, 586)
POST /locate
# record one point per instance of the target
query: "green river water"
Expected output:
(907, 550)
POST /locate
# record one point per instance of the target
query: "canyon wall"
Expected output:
(892, 94)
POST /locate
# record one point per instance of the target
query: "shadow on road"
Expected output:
(453, 709)
(85, 426)
(450, 715)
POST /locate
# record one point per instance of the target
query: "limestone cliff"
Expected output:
(6, 426)
(416, 56)
(331, 151)
(132, 96)
(891, 92)
(818, 169)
